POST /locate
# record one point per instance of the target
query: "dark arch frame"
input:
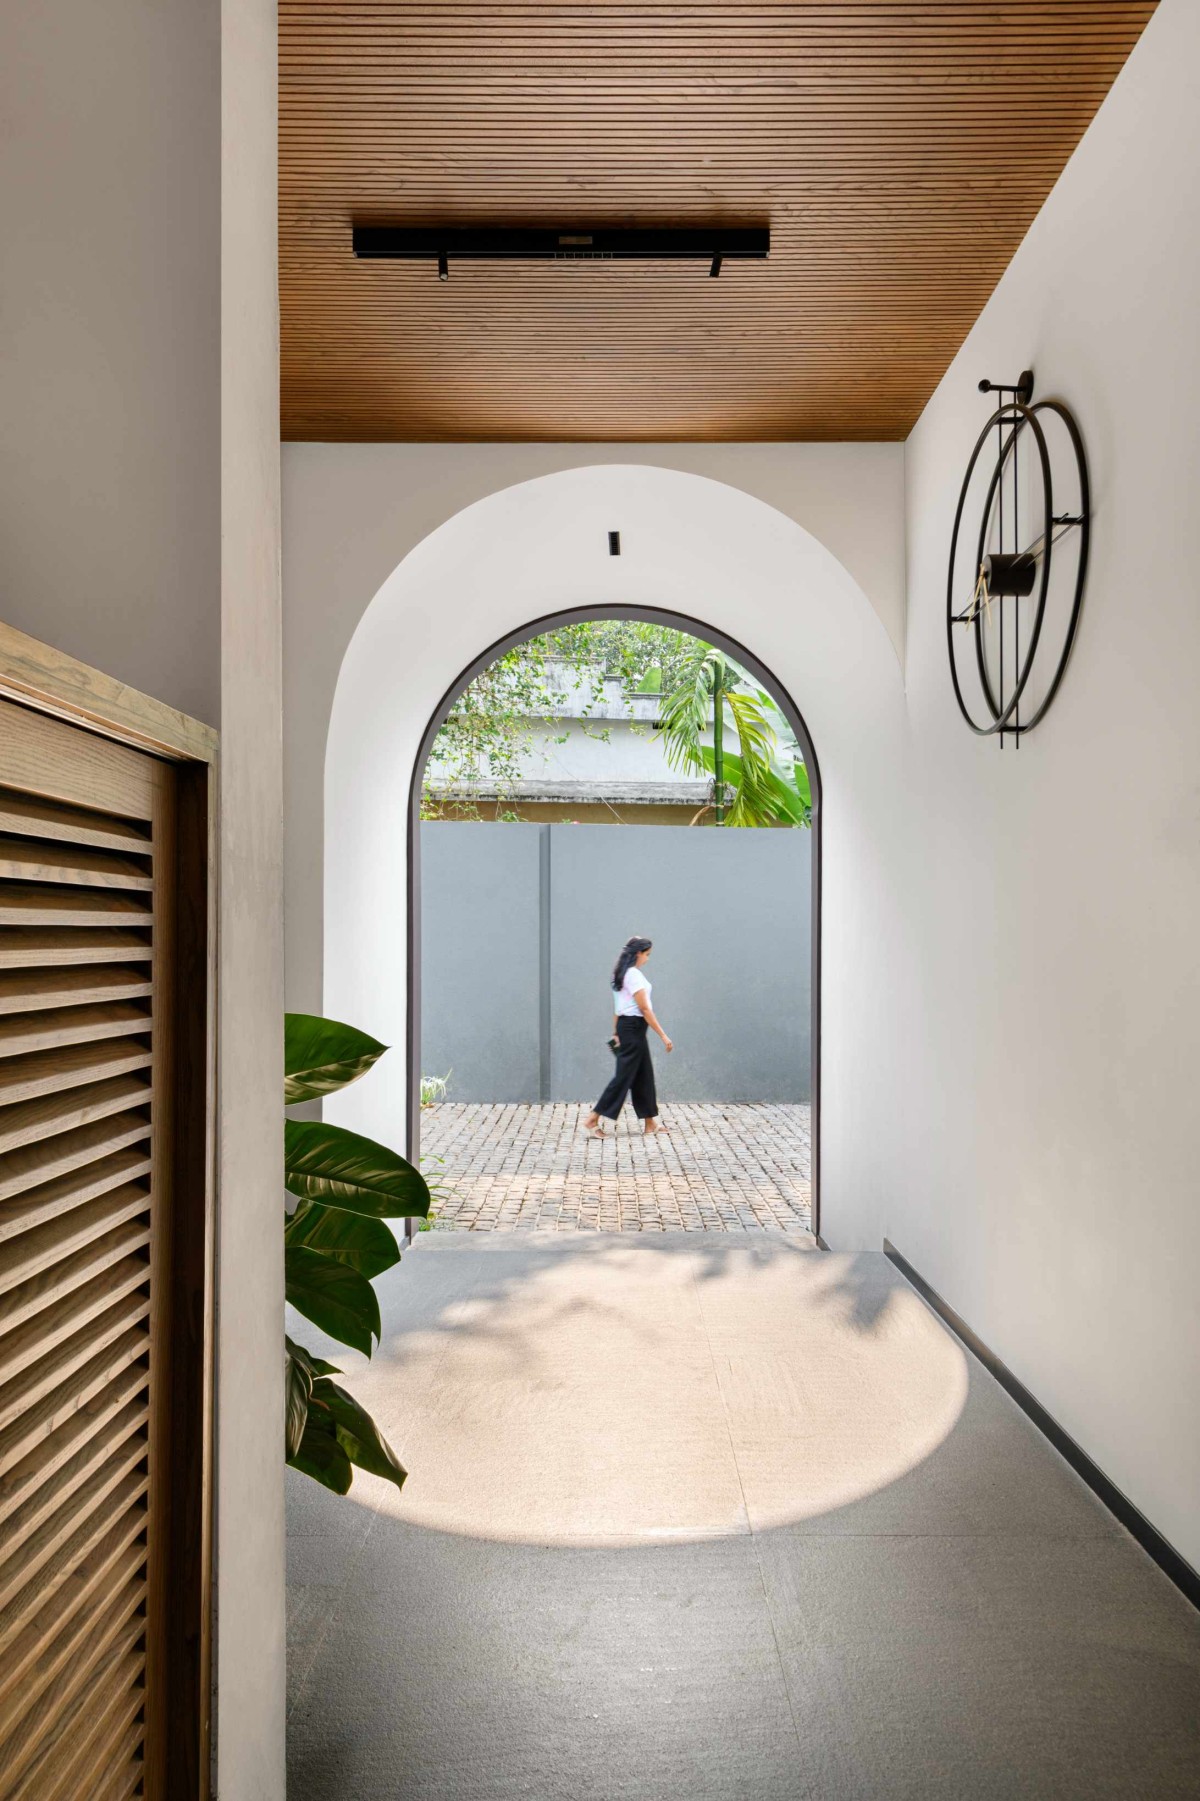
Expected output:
(549, 622)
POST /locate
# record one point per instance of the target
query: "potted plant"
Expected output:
(336, 1241)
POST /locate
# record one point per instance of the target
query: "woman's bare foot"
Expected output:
(651, 1127)
(592, 1126)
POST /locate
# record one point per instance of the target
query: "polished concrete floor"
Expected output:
(714, 1517)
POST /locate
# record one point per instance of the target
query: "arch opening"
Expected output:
(696, 628)
(740, 574)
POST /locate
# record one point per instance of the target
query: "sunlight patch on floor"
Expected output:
(624, 1396)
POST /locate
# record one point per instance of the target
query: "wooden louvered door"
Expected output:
(89, 1007)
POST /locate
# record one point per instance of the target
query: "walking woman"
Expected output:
(633, 1021)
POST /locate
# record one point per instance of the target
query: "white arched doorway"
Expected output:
(737, 571)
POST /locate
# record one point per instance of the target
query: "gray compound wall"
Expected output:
(521, 924)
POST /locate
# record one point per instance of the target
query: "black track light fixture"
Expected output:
(714, 244)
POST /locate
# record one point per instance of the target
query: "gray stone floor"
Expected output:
(726, 1168)
(713, 1517)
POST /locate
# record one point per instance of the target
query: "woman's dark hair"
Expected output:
(631, 950)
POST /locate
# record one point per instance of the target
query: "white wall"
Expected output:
(110, 337)
(737, 566)
(353, 512)
(251, 1669)
(137, 351)
(1052, 1190)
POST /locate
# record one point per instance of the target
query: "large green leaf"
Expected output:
(357, 1433)
(328, 1163)
(334, 1242)
(301, 1369)
(333, 1296)
(297, 1389)
(770, 801)
(789, 799)
(321, 1454)
(684, 714)
(322, 1055)
(366, 1244)
(316, 1366)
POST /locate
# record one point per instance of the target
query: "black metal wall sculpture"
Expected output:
(1025, 494)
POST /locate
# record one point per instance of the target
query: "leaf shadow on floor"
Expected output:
(976, 1626)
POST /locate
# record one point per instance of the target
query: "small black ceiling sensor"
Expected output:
(715, 267)
(614, 544)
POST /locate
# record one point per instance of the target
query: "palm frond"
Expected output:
(770, 799)
(753, 801)
(684, 714)
(769, 782)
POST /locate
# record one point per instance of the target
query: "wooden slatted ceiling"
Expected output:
(84, 948)
(898, 148)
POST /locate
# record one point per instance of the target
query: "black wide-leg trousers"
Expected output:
(634, 1074)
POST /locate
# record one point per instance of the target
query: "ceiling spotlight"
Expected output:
(443, 266)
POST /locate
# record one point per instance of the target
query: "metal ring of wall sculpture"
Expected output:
(1026, 485)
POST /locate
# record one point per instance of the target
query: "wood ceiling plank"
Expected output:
(899, 151)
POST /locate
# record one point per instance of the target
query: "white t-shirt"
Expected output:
(624, 1004)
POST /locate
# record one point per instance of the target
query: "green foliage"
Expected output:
(781, 803)
(764, 781)
(434, 1088)
(492, 725)
(335, 1241)
(509, 706)
(687, 709)
(299, 1371)
(328, 1163)
(495, 722)
(333, 1296)
(339, 1433)
(627, 649)
(365, 1244)
(321, 1456)
(321, 1056)
(439, 1191)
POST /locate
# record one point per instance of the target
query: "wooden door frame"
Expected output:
(45, 680)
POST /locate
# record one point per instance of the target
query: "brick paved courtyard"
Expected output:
(717, 1169)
